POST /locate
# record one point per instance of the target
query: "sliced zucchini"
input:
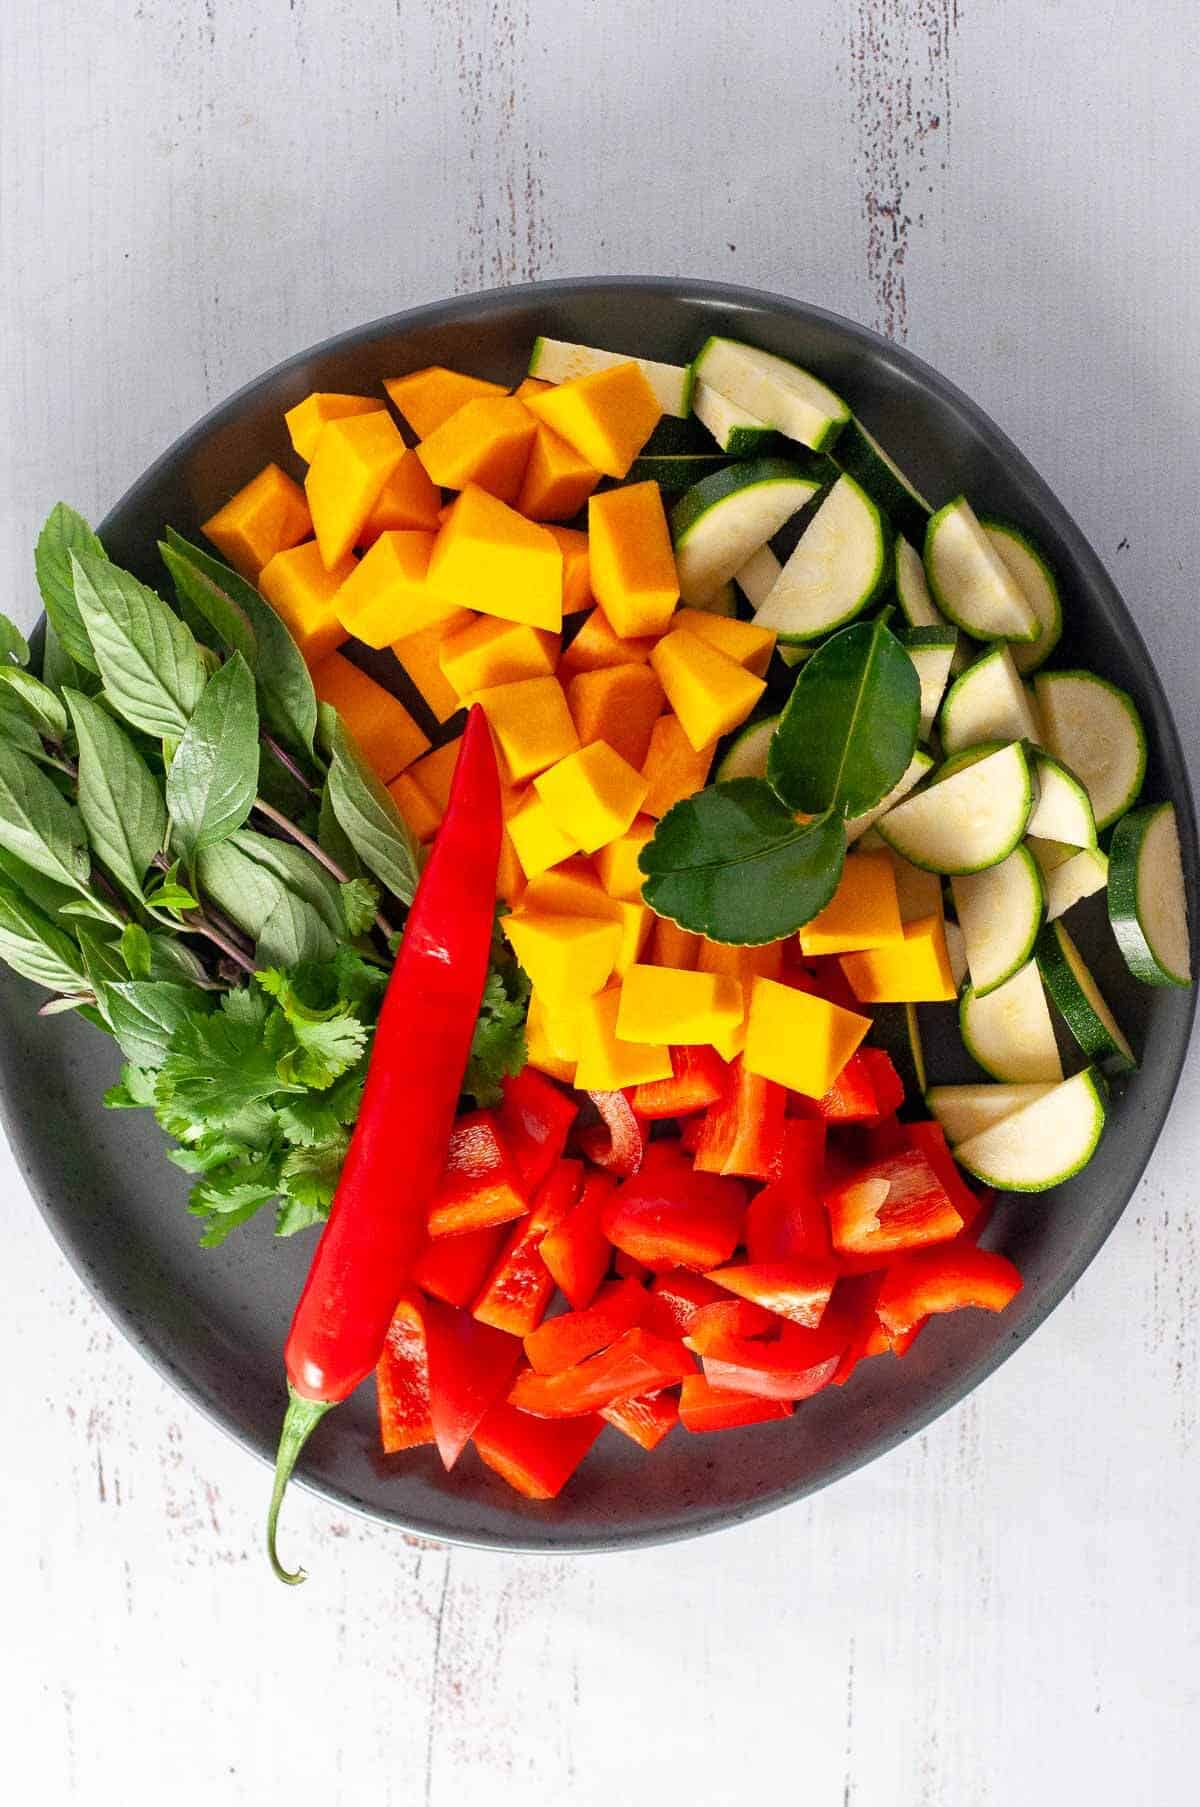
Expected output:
(1050, 854)
(758, 575)
(1037, 584)
(988, 702)
(931, 650)
(1093, 728)
(918, 893)
(964, 1110)
(968, 821)
(1078, 999)
(1000, 912)
(737, 431)
(747, 756)
(794, 655)
(1063, 811)
(916, 1045)
(1082, 875)
(723, 601)
(675, 471)
(956, 952)
(558, 361)
(1043, 1143)
(1147, 902)
(912, 591)
(842, 561)
(722, 520)
(970, 582)
(918, 767)
(862, 457)
(779, 392)
(1010, 1032)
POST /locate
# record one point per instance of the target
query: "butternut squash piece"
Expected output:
(607, 416)
(409, 501)
(269, 515)
(428, 397)
(420, 655)
(487, 443)
(673, 768)
(305, 420)
(597, 644)
(632, 565)
(577, 579)
(302, 593)
(531, 725)
(387, 735)
(387, 596)
(618, 704)
(708, 691)
(488, 557)
(352, 460)
(557, 481)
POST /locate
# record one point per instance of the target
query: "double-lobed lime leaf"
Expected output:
(149, 661)
(120, 799)
(213, 777)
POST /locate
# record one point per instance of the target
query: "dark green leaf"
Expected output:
(44, 892)
(298, 872)
(16, 727)
(245, 891)
(14, 647)
(733, 864)
(34, 946)
(850, 725)
(214, 774)
(59, 670)
(228, 620)
(65, 534)
(294, 1213)
(285, 690)
(120, 799)
(136, 951)
(171, 958)
(102, 957)
(38, 825)
(366, 813)
(38, 701)
(144, 1015)
(318, 1116)
(332, 839)
(151, 666)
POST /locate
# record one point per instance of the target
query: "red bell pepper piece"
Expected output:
(725, 1317)
(797, 1364)
(852, 1097)
(514, 1294)
(402, 1381)
(564, 1341)
(889, 1087)
(692, 1134)
(946, 1279)
(638, 1362)
(743, 1130)
(930, 1138)
(796, 1290)
(481, 1184)
(986, 1204)
(895, 1203)
(787, 1220)
(628, 1268)
(470, 1368)
(670, 1216)
(822, 975)
(647, 1420)
(851, 1314)
(618, 1141)
(534, 1455)
(698, 1077)
(676, 1297)
(703, 1407)
(453, 1268)
(576, 1251)
(535, 1121)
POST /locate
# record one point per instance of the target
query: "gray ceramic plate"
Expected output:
(213, 1323)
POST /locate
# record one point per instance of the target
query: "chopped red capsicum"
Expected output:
(676, 1297)
(535, 1120)
(797, 1364)
(703, 1407)
(852, 1097)
(851, 1314)
(577, 1252)
(945, 1279)
(481, 1184)
(515, 1293)
(796, 1290)
(402, 1381)
(645, 1421)
(787, 1220)
(564, 1341)
(725, 1317)
(743, 1130)
(453, 1268)
(889, 1087)
(638, 1362)
(470, 1368)
(697, 1080)
(618, 1141)
(534, 1455)
(670, 1216)
(930, 1138)
(895, 1203)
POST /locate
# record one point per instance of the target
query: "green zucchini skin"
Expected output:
(1135, 843)
(1068, 983)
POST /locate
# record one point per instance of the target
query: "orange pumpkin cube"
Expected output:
(305, 420)
(386, 597)
(352, 460)
(488, 557)
(577, 579)
(673, 767)
(618, 704)
(269, 515)
(302, 593)
(428, 397)
(420, 654)
(409, 501)
(557, 482)
(388, 737)
(607, 416)
(632, 565)
(486, 442)
(597, 644)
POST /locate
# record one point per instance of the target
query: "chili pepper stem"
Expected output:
(302, 1417)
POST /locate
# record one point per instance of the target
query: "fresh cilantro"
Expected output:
(498, 1048)
(360, 901)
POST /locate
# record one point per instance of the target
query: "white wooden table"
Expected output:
(1005, 1611)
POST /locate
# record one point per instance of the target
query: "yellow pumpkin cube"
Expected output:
(557, 481)
(408, 502)
(488, 557)
(301, 592)
(913, 971)
(636, 920)
(421, 656)
(422, 817)
(305, 420)
(672, 946)
(486, 442)
(632, 565)
(435, 773)
(540, 1050)
(593, 795)
(571, 889)
(708, 691)
(428, 397)
(530, 723)
(673, 768)
(607, 416)
(682, 1009)
(387, 735)
(618, 704)
(269, 515)
(387, 595)
(731, 1041)
(538, 841)
(799, 1040)
(530, 385)
(607, 1064)
(597, 646)
(863, 912)
(352, 460)
(566, 957)
(740, 963)
(617, 864)
(510, 877)
(748, 646)
(486, 652)
(577, 580)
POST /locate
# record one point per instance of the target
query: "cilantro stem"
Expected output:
(294, 833)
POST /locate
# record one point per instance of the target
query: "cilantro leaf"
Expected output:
(360, 900)
(498, 1048)
(310, 1175)
(218, 1064)
(326, 1049)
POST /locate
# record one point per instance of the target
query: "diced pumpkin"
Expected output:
(672, 946)
(352, 460)
(618, 704)
(489, 557)
(617, 864)
(597, 646)
(683, 1009)
(567, 957)
(748, 646)
(484, 652)
(302, 592)
(632, 565)
(592, 794)
(269, 515)
(538, 841)
(862, 913)
(741, 963)
(486, 442)
(510, 874)
(539, 1048)
(673, 767)
(407, 501)
(732, 1041)
(708, 691)
(422, 816)
(607, 416)
(305, 420)
(435, 774)
(577, 580)
(386, 596)
(420, 655)
(428, 397)
(531, 724)
(557, 480)
(386, 733)
(572, 889)
(530, 385)
(913, 971)
(607, 1064)
(799, 1040)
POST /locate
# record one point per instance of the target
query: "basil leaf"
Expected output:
(214, 775)
(38, 825)
(14, 647)
(277, 895)
(285, 689)
(144, 1015)
(38, 701)
(102, 957)
(242, 889)
(734, 864)
(366, 813)
(59, 670)
(65, 534)
(171, 958)
(850, 726)
(15, 725)
(36, 947)
(331, 838)
(135, 950)
(151, 666)
(40, 890)
(227, 618)
(120, 799)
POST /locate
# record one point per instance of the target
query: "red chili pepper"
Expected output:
(895, 1203)
(698, 1077)
(402, 1381)
(618, 1141)
(638, 1362)
(703, 1407)
(945, 1279)
(453, 1268)
(398, 1148)
(481, 1184)
(577, 1252)
(796, 1290)
(534, 1455)
(669, 1216)
(644, 1421)
(743, 1130)
(564, 1341)
(535, 1120)
(516, 1292)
